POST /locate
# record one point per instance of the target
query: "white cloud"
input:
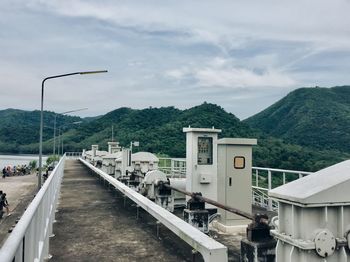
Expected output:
(177, 53)
(221, 72)
(241, 78)
(226, 23)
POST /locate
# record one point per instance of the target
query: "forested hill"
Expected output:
(20, 127)
(159, 130)
(315, 117)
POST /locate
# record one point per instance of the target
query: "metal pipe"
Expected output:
(212, 202)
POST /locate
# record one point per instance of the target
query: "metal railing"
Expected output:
(265, 179)
(211, 250)
(73, 155)
(173, 167)
(29, 240)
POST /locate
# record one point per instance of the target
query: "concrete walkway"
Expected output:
(93, 225)
(16, 187)
(20, 191)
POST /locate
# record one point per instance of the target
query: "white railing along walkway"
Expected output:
(29, 240)
(263, 179)
(211, 250)
(263, 182)
(73, 155)
(173, 167)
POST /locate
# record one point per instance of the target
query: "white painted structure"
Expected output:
(94, 154)
(109, 162)
(113, 147)
(211, 250)
(29, 240)
(122, 164)
(314, 216)
(148, 183)
(142, 162)
(148, 188)
(234, 178)
(201, 161)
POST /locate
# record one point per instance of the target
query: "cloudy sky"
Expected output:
(242, 55)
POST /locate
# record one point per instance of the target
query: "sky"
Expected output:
(242, 55)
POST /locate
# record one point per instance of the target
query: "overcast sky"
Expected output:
(242, 55)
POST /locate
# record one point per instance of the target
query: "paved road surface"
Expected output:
(93, 225)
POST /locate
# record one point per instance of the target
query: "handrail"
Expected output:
(211, 250)
(36, 223)
(177, 166)
(282, 170)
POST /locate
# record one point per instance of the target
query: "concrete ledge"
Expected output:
(211, 250)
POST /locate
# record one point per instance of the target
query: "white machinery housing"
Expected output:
(201, 161)
(314, 216)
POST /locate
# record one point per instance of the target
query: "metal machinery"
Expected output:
(94, 156)
(195, 213)
(234, 180)
(132, 169)
(201, 161)
(108, 161)
(152, 187)
(314, 217)
(259, 244)
(122, 164)
(148, 186)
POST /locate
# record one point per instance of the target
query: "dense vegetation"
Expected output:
(315, 117)
(18, 128)
(159, 130)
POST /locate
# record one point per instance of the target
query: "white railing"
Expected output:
(29, 240)
(174, 167)
(73, 155)
(265, 179)
(211, 250)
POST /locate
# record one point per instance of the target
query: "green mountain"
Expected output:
(318, 118)
(159, 130)
(19, 128)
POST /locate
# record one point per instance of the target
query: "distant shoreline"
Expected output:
(24, 155)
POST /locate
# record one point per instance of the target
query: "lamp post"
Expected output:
(42, 113)
(60, 134)
(54, 126)
(135, 143)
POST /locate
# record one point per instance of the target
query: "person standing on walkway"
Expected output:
(4, 172)
(5, 203)
(1, 205)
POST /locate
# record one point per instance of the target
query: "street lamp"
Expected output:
(135, 143)
(42, 113)
(54, 126)
(60, 134)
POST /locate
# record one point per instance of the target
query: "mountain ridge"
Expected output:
(159, 130)
(314, 117)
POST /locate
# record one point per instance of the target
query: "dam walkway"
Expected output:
(95, 224)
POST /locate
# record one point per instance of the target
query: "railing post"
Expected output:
(269, 181)
(172, 166)
(256, 177)
(284, 178)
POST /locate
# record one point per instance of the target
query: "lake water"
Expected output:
(6, 160)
